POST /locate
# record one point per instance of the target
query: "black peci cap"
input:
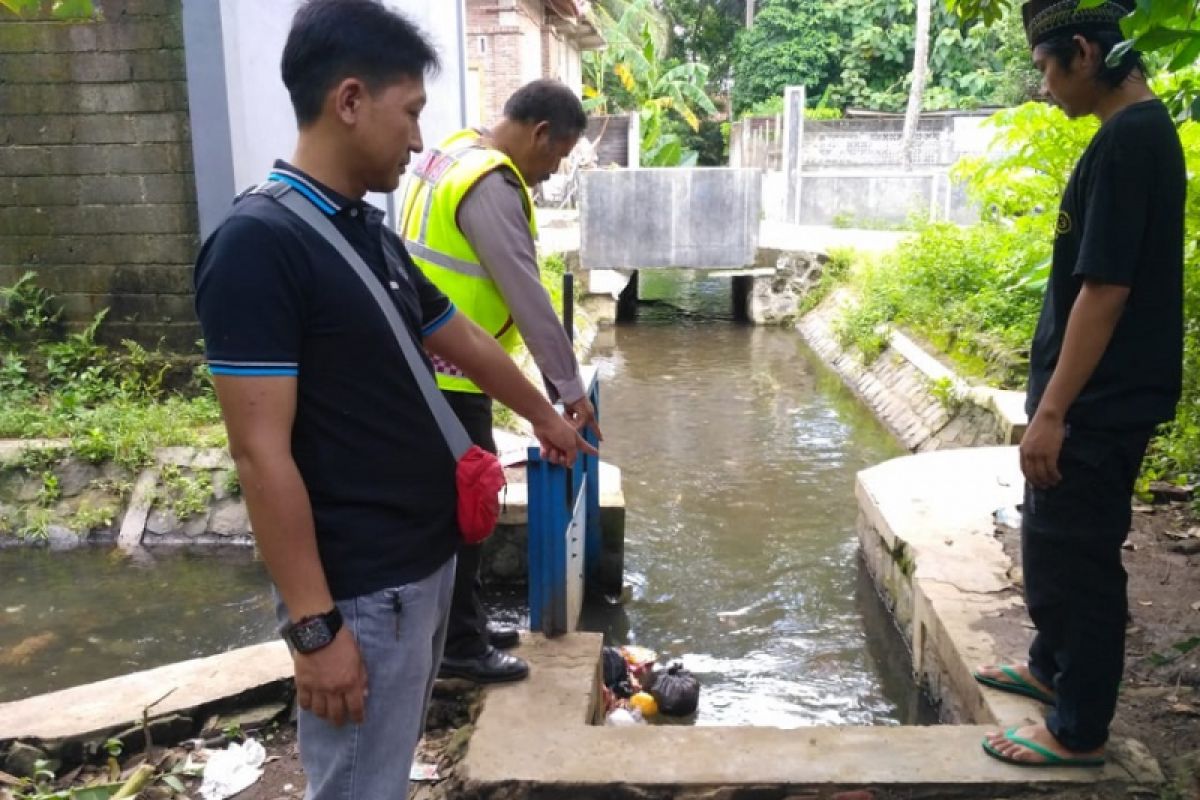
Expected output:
(1045, 19)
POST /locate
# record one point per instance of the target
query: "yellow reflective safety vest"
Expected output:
(429, 226)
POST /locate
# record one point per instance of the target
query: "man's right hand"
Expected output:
(561, 443)
(332, 682)
(582, 414)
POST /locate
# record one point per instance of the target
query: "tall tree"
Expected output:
(916, 91)
(792, 43)
(702, 31)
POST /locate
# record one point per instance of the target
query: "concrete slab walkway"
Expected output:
(537, 732)
(95, 708)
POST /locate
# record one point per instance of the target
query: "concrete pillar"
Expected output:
(793, 148)
(743, 285)
(635, 140)
(627, 302)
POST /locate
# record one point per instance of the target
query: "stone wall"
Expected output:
(898, 387)
(98, 194)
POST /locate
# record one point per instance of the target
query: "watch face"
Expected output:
(311, 634)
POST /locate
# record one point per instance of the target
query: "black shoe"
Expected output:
(493, 666)
(502, 637)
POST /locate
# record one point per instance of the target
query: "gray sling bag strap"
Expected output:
(452, 430)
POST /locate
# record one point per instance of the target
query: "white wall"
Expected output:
(261, 124)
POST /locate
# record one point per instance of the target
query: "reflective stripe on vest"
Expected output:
(434, 190)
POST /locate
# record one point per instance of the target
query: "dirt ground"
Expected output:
(1160, 698)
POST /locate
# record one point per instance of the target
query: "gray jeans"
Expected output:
(401, 632)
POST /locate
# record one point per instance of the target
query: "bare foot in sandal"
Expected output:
(1035, 746)
(1015, 679)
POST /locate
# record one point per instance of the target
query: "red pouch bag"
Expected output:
(479, 478)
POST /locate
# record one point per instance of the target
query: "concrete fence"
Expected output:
(848, 171)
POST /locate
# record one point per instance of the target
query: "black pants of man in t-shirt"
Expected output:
(466, 635)
(1071, 542)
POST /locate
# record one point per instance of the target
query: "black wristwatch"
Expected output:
(310, 634)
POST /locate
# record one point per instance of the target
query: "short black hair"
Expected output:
(548, 101)
(332, 40)
(1064, 49)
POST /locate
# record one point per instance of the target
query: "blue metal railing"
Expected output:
(564, 532)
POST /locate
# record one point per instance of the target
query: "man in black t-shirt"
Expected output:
(1105, 369)
(348, 480)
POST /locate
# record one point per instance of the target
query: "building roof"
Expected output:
(570, 19)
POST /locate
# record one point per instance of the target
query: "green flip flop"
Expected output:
(1052, 759)
(1015, 685)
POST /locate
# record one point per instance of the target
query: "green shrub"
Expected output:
(113, 404)
(975, 293)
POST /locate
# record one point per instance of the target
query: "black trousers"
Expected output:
(466, 634)
(1075, 583)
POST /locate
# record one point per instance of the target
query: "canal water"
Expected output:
(738, 452)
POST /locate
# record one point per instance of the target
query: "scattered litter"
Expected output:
(1007, 516)
(1145, 602)
(14, 609)
(624, 718)
(423, 773)
(232, 770)
(1141, 508)
(645, 703)
(1196, 606)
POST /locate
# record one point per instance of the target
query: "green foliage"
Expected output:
(59, 9)
(860, 52)
(773, 106)
(834, 272)
(948, 394)
(630, 74)
(703, 30)
(113, 404)
(552, 267)
(975, 293)
(26, 310)
(863, 327)
(89, 518)
(185, 495)
(231, 484)
(36, 525)
(792, 43)
(1168, 30)
(51, 492)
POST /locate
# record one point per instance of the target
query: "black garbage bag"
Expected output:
(676, 691)
(616, 671)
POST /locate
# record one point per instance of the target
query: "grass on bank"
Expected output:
(974, 293)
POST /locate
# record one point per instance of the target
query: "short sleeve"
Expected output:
(436, 308)
(1116, 212)
(250, 301)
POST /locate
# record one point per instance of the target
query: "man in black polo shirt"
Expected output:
(349, 483)
(1105, 369)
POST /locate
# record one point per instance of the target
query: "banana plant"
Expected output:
(631, 75)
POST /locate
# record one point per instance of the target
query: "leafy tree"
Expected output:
(791, 43)
(860, 53)
(631, 75)
(916, 91)
(702, 31)
(1168, 30)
